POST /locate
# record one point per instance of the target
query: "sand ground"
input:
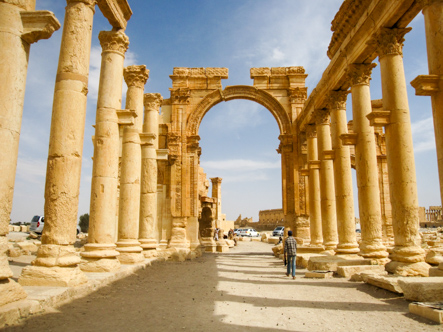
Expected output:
(243, 290)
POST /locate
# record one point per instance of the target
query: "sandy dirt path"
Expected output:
(243, 290)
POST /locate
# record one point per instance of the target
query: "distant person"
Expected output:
(290, 251)
(216, 234)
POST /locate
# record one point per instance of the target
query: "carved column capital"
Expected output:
(180, 95)
(311, 131)
(337, 100)
(192, 143)
(359, 73)
(298, 95)
(322, 117)
(136, 76)
(114, 41)
(37, 25)
(90, 3)
(152, 101)
(286, 144)
(389, 41)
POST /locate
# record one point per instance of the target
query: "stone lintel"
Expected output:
(426, 85)
(328, 154)
(429, 310)
(349, 139)
(278, 77)
(162, 154)
(379, 118)
(314, 164)
(37, 25)
(126, 117)
(147, 138)
(118, 12)
(304, 171)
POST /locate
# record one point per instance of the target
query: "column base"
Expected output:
(100, 265)
(330, 246)
(163, 245)
(148, 244)
(347, 249)
(151, 253)
(53, 255)
(178, 238)
(97, 251)
(209, 244)
(55, 276)
(409, 254)
(419, 269)
(373, 250)
(10, 291)
(129, 258)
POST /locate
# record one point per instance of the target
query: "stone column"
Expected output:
(314, 189)
(216, 193)
(327, 192)
(56, 263)
(432, 85)
(407, 256)
(149, 231)
(129, 205)
(100, 250)
(342, 175)
(371, 245)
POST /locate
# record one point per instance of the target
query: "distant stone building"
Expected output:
(273, 216)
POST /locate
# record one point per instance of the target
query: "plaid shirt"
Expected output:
(291, 246)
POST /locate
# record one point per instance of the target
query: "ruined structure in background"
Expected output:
(159, 204)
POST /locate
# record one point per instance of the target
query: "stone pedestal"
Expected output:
(399, 151)
(178, 233)
(149, 228)
(129, 204)
(347, 243)
(371, 245)
(106, 153)
(314, 189)
(327, 191)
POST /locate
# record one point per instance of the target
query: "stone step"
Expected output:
(319, 274)
(389, 283)
(349, 271)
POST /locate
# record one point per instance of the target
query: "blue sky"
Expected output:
(238, 138)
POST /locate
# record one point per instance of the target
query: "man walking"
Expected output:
(290, 250)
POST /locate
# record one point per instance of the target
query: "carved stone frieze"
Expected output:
(286, 144)
(298, 95)
(192, 143)
(114, 41)
(359, 73)
(311, 131)
(389, 41)
(173, 146)
(276, 71)
(263, 71)
(295, 70)
(209, 72)
(180, 95)
(337, 100)
(152, 101)
(322, 117)
(217, 72)
(136, 76)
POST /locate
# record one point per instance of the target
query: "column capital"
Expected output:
(286, 143)
(322, 117)
(389, 41)
(37, 25)
(114, 41)
(152, 101)
(359, 73)
(337, 100)
(298, 95)
(311, 131)
(90, 3)
(136, 76)
(216, 180)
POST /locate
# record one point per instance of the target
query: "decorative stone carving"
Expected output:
(112, 41)
(359, 73)
(117, 12)
(322, 117)
(153, 100)
(217, 72)
(389, 41)
(295, 70)
(311, 131)
(286, 144)
(298, 95)
(263, 71)
(426, 85)
(193, 145)
(136, 76)
(337, 100)
(181, 96)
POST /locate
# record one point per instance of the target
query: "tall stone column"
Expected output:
(432, 85)
(56, 263)
(100, 250)
(327, 191)
(129, 205)
(314, 189)
(371, 245)
(20, 26)
(216, 193)
(407, 256)
(149, 230)
(347, 241)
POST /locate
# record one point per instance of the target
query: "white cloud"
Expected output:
(240, 165)
(423, 135)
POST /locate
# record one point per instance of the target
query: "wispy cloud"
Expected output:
(423, 135)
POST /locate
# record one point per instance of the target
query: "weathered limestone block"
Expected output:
(255, 239)
(28, 246)
(389, 283)
(365, 275)
(434, 255)
(52, 276)
(277, 250)
(179, 254)
(419, 269)
(264, 237)
(422, 289)
(11, 228)
(14, 252)
(302, 259)
(330, 263)
(435, 272)
(16, 228)
(348, 271)
(230, 243)
(150, 253)
(319, 274)
(427, 310)
(24, 228)
(273, 239)
(10, 292)
(100, 265)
